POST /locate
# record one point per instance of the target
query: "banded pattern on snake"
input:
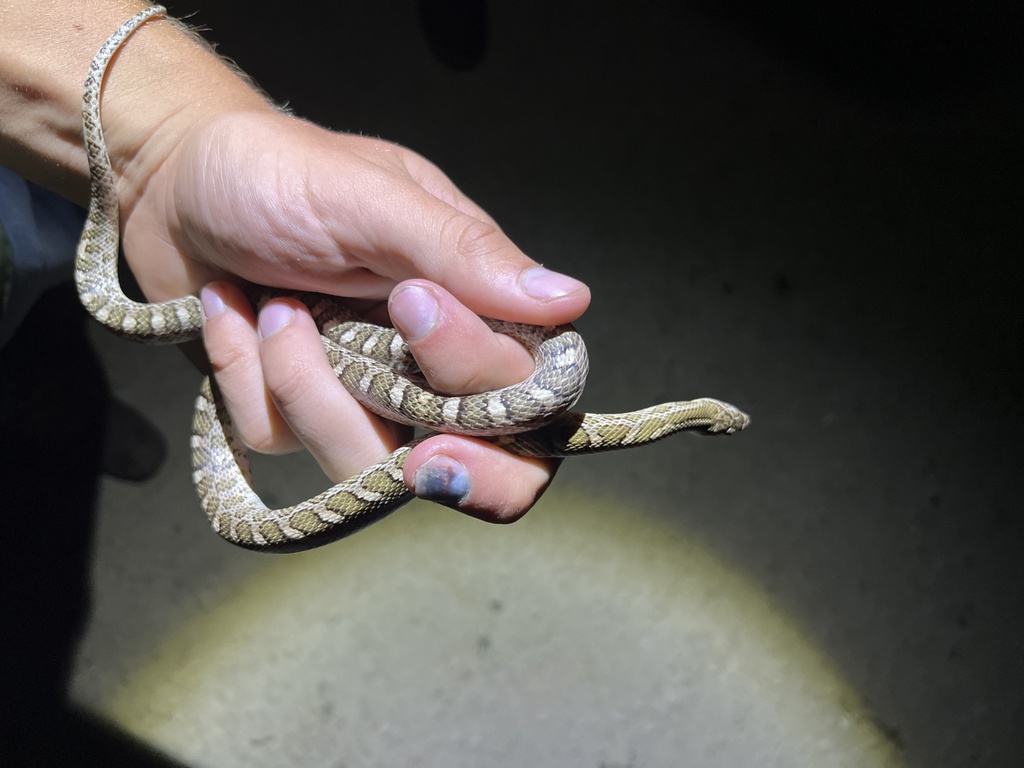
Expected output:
(530, 418)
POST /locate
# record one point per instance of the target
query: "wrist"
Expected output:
(160, 85)
(164, 85)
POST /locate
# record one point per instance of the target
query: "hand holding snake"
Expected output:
(471, 260)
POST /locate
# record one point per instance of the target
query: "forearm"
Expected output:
(162, 83)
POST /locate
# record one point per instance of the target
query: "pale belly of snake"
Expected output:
(530, 418)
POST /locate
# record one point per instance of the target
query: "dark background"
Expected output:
(816, 211)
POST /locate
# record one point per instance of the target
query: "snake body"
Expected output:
(529, 418)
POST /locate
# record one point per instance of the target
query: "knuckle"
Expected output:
(270, 441)
(262, 429)
(470, 382)
(289, 385)
(470, 239)
(262, 441)
(229, 354)
(256, 422)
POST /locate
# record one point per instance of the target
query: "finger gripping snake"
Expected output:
(530, 418)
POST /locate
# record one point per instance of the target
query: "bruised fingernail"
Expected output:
(413, 311)
(442, 479)
(213, 305)
(545, 285)
(273, 318)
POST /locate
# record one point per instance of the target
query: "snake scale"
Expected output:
(529, 418)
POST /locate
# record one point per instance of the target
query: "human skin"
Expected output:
(215, 183)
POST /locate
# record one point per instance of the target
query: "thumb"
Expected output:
(477, 263)
(414, 223)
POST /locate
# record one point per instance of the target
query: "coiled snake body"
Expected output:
(529, 418)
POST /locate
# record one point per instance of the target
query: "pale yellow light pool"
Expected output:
(585, 635)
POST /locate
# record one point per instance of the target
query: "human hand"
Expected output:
(214, 183)
(278, 201)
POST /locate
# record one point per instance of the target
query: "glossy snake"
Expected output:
(529, 418)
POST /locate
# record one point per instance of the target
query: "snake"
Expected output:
(530, 418)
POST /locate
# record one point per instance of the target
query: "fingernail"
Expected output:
(414, 312)
(273, 318)
(442, 479)
(545, 285)
(213, 305)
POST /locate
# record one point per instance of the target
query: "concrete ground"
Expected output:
(816, 218)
